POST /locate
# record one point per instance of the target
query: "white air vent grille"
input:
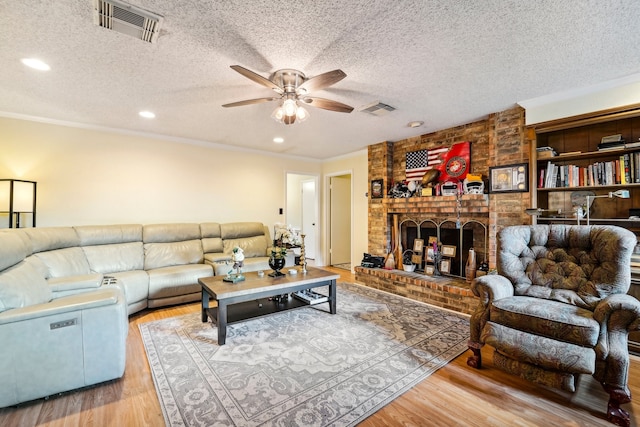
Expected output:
(377, 108)
(127, 19)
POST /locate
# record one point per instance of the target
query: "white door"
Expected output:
(340, 220)
(309, 218)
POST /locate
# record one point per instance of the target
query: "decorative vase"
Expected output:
(276, 263)
(470, 268)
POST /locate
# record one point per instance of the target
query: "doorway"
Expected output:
(340, 220)
(302, 209)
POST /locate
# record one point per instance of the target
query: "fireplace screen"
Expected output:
(458, 238)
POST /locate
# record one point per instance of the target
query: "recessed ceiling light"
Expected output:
(147, 114)
(278, 140)
(36, 64)
(415, 124)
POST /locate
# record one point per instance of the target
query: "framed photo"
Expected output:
(377, 189)
(416, 259)
(448, 251)
(432, 239)
(418, 245)
(509, 179)
(429, 254)
(445, 266)
(429, 270)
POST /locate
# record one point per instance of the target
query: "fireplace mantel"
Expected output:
(470, 205)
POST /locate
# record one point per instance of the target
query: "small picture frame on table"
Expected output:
(429, 270)
(448, 251)
(445, 266)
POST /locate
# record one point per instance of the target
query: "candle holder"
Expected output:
(303, 258)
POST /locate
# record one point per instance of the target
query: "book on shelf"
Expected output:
(570, 153)
(623, 170)
(632, 144)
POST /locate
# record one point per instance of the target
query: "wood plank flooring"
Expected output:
(456, 395)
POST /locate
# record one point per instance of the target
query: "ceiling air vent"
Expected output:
(126, 19)
(377, 108)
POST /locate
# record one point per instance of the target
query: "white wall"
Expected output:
(611, 94)
(99, 177)
(357, 164)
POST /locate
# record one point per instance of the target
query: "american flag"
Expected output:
(419, 162)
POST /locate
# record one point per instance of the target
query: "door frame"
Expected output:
(327, 214)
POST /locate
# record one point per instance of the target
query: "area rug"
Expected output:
(302, 367)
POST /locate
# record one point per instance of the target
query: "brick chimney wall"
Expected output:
(498, 140)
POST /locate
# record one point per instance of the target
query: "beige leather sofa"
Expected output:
(65, 293)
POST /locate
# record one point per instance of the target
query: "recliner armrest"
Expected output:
(491, 287)
(100, 297)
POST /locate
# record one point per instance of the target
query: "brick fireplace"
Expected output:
(474, 220)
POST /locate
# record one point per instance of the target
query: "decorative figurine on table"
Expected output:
(238, 261)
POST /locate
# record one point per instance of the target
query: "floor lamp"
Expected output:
(622, 194)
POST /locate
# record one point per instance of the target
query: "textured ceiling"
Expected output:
(439, 61)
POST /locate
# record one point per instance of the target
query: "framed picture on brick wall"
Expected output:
(509, 179)
(377, 189)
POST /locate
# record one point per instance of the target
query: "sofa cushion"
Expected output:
(108, 234)
(65, 262)
(210, 229)
(163, 233)
(115, 257)
(177, 280)
(236, 230)
(50, 238)
(13, 249)
(212, 245)
(552, 319)
(135, 284)
(255, 246)
(21, 286)
(157, 255)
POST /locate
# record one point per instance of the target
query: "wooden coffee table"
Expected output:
(251, 298)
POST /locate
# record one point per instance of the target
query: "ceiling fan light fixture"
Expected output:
(278, 114)
(289, 120)
(302, 114)
(290, 107)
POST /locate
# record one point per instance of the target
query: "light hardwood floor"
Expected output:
(456, 395)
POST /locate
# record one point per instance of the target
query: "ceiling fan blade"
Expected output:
(321, 81)
(249, 102)
(257, 78)
(327, 104)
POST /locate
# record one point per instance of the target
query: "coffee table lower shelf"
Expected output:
(257, 308)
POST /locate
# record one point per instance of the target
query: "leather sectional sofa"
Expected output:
(66, 292)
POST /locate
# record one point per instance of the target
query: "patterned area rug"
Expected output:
(302, 367)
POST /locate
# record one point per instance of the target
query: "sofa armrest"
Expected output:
(489, 288)
(65, 286)
(98, 298)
